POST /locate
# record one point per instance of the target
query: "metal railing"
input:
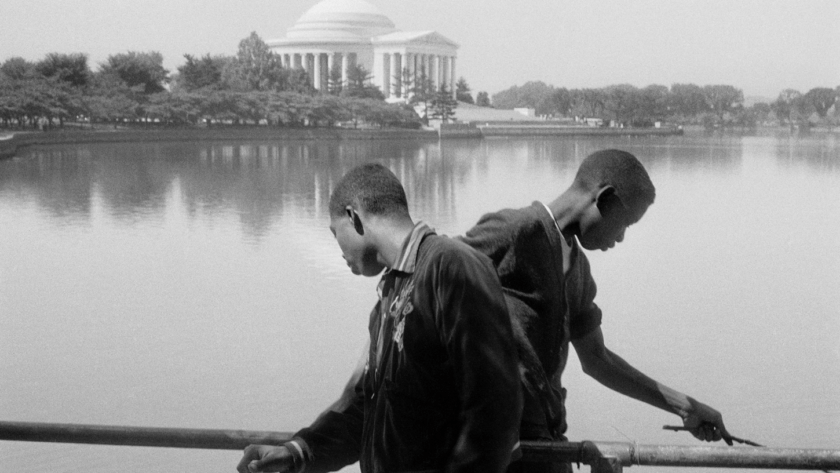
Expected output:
(603, 457)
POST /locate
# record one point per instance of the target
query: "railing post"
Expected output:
(606, 457)
(607, 465)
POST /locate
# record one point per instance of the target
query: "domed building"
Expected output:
(339, 33)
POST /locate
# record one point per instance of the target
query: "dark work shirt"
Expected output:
(440, 390)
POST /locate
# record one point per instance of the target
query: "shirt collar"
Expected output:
(407, 258)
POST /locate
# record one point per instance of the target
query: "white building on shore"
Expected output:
(339, 33)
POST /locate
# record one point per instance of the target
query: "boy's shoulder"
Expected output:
(450, 252)
(515, 217)
(507, 225)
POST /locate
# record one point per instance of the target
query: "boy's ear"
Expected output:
(354, 217)
(606, 196)
(605, 193)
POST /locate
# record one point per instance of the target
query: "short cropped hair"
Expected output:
(371, 187)
(621, 170)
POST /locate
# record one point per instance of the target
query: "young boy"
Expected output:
(550, 292)
(440, 388)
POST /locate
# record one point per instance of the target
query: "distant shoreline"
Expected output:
(9, 146)
(13, 141)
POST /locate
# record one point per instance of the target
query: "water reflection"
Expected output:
(821, 153)
(262, 181)
(258, 181)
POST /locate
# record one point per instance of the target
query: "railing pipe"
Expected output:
(603, 456)
(214, 439)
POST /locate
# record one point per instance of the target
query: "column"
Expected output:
(379, 72)
(430, 69)
(386, 74)
(345, 64)
(444, 72)
(409, 67)
(308, 66)
(316, 71)
(395, 75)
(437, 72)
(452, 73)
(330, 66)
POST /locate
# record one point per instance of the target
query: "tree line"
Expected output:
(251, 87)
(711, 105)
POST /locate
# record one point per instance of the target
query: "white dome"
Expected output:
(341, 20)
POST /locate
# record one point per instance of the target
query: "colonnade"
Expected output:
(388, 69)
(319, 65)
(439, 69)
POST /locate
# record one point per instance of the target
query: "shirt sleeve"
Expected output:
(492, 235)
(473, 323)
(588, 316)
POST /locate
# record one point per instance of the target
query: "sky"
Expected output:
(759, 46)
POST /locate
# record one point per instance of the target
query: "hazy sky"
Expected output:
(760, 46)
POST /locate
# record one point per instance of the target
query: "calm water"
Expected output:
(197, 285)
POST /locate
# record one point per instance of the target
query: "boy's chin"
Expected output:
(369, 271)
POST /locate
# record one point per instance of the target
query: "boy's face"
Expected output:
(359, 254)
(605, 222)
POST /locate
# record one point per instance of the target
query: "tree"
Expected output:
(687, 100)
(482, 99)
(722, 98)
(17, 68)
(785, 105)
(359, 108)
(588, 102)
(407, 81)
(70, 68)
(297, 80)
(257, 67)
(462, 91)
(559, 102)
(135, 69)
(111, 99)
(532, 94)
(327, 109)
(821, 98)
(335, 81)
(443, 104)
(197, 73)
(422, 94)
(651, 104)
(621, 100)
(359, 86)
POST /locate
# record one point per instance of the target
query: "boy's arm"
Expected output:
(335, 436)
(613, 372)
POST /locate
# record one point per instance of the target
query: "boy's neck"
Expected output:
(388, 236)
(567, 210)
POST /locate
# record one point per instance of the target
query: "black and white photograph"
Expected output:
(428, 236)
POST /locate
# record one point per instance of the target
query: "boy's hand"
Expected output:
(265, 458)
(706, 423)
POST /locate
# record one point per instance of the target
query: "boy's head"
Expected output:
(622, 171)
(365, 194)
(621, 191)
(371, 188)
